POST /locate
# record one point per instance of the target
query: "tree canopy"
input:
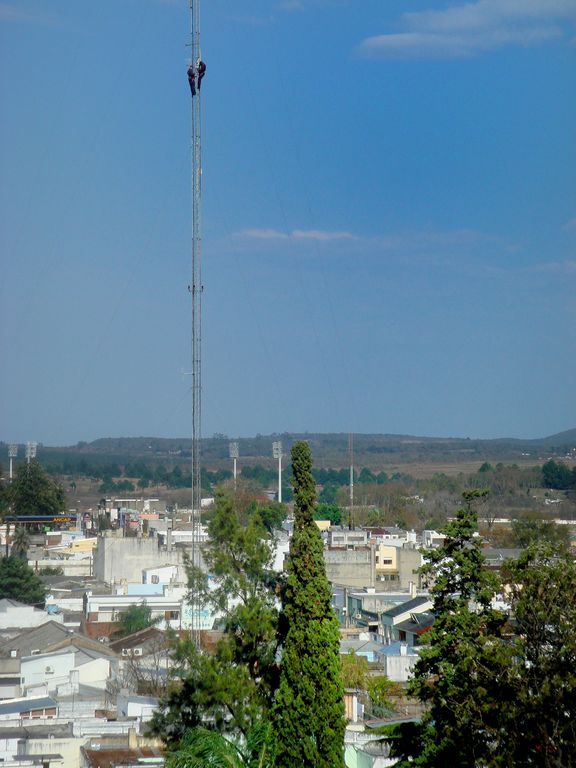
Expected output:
(499, 688)
(134, 619)
(19, 582)
(233, 686)
(34, 492)
(308, 713)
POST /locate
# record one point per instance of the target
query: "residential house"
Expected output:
(391, 618)
(16, 616)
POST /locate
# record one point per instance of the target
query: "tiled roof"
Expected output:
(36, 638)
(111, 758)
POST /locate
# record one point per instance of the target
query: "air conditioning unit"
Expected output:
(137, 652)
(49, 670)
(125, 651)
(357, 615)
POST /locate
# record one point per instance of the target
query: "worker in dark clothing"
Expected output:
(192, 80)
(201, 72)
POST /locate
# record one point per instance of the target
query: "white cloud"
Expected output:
(291, 5)
(566, 267)
(10, 12)
(296, 234)
(469, 29)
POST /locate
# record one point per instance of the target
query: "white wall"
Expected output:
(68, 748)
(24, 617)
(34, 671)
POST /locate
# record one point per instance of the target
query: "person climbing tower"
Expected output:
(192, 80)
(201, 69)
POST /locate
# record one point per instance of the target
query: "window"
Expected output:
(155, 578)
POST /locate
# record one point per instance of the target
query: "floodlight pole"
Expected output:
(12, 454)
(30, 451)
(234, 453)
(351, 453)
(277, 454)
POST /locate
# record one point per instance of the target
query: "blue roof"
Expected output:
(25, 705)
(408, 605)
(394, 649)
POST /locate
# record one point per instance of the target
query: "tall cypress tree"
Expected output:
(308, 715)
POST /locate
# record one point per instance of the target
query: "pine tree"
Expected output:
(463, 670)
(308, 713)
(19, 582)
(34, 492)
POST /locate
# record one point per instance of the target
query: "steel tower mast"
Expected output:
(196, 291)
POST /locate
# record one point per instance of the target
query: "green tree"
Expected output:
(308, 712)
(20, 541)
(136, 618)
(33, 492)
(19, 582)
(354, 670)
(557, 475)
(202, 748)
(541, 722)
(3, 494)
(531, 529)
(379, 690)
(232, 686)
(272, 514)
(462, 674)
(330, 512)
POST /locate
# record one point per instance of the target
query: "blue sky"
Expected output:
(389, 218)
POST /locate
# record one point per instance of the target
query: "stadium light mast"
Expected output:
(30, 451)
(351, 455)
(234, 454)
(277, 454)
(12, 454)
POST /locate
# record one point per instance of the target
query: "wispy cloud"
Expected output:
(469, 29)
(13, 13)
(443, 246)
(565, 267)
(296, 234)
(291, 5)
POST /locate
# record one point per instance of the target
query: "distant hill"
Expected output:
(329, 450)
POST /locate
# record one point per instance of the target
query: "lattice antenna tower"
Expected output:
(196, 291)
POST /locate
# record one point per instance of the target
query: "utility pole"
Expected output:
(196, 291)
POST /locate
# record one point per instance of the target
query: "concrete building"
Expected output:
(41, 745)
(119, 559)
(397, 564)
(351, 567)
